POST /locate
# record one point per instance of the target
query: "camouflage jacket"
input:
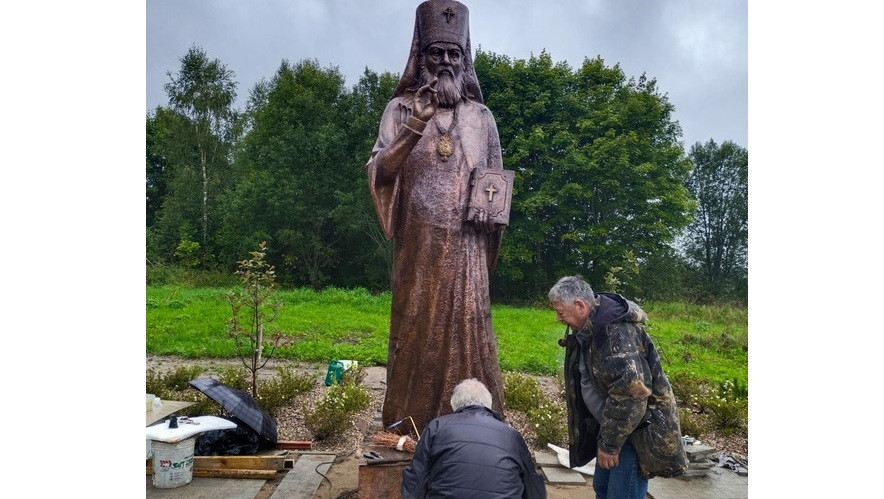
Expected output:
(639, 404)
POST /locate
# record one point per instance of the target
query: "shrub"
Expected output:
(355, 375)
(203, 405)
(162, 385)
(155, 383)
(234, 377)
(547, 421)
(178, 379)
(333, 414)
(728, 410)
(160, 274)
(692, 424)
(277, 392)
(174, 386)
(521, 392)
(685, 386)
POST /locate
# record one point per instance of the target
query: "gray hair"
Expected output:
(470, 392)
(571, 288)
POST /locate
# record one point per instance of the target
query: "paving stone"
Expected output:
(560, 475)
(701, 466)
(546, 459)
(699, 453)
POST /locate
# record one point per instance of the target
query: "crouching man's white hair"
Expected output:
(470, 392)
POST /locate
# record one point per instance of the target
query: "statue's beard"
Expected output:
(449, 89)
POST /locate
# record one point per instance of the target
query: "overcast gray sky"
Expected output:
(696, 49)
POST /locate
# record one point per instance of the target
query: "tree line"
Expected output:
(603, 186)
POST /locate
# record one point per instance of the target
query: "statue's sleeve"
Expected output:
(494, 162)
(397, 135)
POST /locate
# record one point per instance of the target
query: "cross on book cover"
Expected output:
(491, 190)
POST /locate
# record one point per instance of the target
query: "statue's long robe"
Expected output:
(440, 323)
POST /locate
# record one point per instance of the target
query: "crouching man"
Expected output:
(471, 454)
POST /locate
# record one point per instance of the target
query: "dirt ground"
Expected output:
(343, 478)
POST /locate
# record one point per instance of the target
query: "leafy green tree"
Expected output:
(201, 93)
(290, 173)
(157, 168)
(599, 170)
(172, 183)
(718, 239)
(365, 256)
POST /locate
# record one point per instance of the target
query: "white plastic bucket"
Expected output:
(172, 463)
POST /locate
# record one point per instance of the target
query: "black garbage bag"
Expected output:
(239, 441)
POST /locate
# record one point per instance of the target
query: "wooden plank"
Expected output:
(262, 474)
(294, 444)
(304, 478)
(238, 462)
(255, 474)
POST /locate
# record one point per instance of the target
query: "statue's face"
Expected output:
(441, 57)
(444, 61)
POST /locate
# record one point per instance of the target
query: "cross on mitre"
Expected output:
(448, 13)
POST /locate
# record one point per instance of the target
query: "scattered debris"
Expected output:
(393, 441)
(729, 461)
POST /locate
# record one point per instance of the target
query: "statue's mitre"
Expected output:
(440, 21)
(443, 21)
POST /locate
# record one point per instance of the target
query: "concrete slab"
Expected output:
(717, 483)
(546, 459)
(168, 407)
(304, 478)
(560, 475)
(208, 488)
(697, 453)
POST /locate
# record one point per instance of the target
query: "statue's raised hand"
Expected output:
(426, 101)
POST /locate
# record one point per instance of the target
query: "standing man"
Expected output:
(433, 133)
(621, 409)
(471, 453)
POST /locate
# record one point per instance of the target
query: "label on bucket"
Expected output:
(173, 463)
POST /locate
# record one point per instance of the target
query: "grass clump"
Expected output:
(520, 392)
(333, 414)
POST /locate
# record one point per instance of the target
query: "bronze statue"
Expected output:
(434, 132)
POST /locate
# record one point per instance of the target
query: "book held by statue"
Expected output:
(491, 190)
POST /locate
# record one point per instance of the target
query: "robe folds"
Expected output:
(440, 322)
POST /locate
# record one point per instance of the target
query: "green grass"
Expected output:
(710, 343)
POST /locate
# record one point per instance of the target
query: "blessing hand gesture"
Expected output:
(426, 101)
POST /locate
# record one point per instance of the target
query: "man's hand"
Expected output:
(484, 221)
(606, 461)
(425, 101)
